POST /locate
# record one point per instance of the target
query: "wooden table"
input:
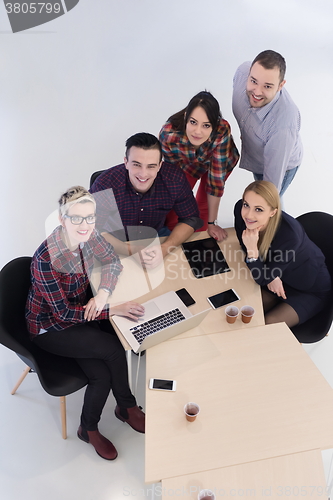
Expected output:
(299, 475)
(174, 273)
(260, 397)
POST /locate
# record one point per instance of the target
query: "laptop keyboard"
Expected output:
(154, 325)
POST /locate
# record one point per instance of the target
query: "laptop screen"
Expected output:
(205, 257)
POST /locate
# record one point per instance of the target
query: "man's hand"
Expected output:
(95, 305)
(276, 286)
(152, 256)
(132, 310)
(217, 232)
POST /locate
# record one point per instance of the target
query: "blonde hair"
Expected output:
(270, 194)
(73, 195)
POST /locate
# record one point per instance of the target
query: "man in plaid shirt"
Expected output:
(142, 191)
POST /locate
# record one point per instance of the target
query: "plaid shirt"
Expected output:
(120, 205)
(218, 155)
(60, 279)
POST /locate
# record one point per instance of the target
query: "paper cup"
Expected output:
(247, 313)
(206, 495)
(231, 313)
(191, 411)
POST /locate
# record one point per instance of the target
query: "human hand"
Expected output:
(135, 247)
(276, 286)
(95, 305)
(152, 256)
(250, 239)
(132, 310)
(217, 232)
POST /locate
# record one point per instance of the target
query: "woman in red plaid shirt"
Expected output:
(199, 141)
(64, 319)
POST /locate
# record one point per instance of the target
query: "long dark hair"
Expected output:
(207, 102)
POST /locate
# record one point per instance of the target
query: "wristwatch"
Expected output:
(251, 259)
(214, 222)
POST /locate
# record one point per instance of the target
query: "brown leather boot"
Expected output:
(133, 416)
(104, 448)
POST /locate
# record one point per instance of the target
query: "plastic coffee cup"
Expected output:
(231, 313)
(247, 313)
(191, 411)
(206, 495)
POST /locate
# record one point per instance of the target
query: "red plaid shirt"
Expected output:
(218, 155)
(60, 279)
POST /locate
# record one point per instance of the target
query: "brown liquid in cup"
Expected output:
(191, 418)
(191, 413)
(247, 314)
(231, 314)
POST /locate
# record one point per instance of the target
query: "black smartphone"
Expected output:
(223, 298)
(185, 297)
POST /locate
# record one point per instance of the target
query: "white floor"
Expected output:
(78, 93)
(37, 464)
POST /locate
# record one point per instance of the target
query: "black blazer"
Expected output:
(292, 256)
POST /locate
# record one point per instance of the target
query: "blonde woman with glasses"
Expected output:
(65, 319)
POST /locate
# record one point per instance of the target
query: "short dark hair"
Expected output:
(207, 102)
(143, 140)
(270, 59)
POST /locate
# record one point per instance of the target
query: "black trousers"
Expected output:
(101, 357)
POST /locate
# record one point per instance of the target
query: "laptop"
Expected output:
(205, 257)
(165, 317)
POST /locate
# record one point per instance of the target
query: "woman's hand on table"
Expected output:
(95, 305)
(217, 232)
(276, 286)
(132, 310)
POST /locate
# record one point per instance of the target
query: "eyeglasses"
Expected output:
(77, 220)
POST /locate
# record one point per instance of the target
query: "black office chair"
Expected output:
(59, 376)
(94, 176)
(319, 228)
